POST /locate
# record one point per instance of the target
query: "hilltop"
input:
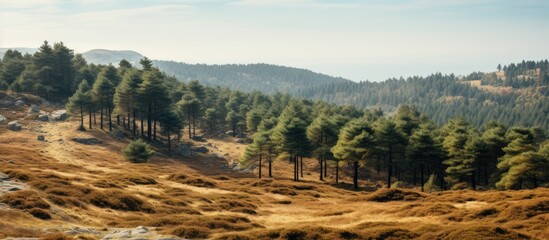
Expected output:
(70, 189)
(106, 57)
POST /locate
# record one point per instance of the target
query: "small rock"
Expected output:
(240, 140)
(183, 150)
(14, 126)
(200, 149)
(241, 135)
(2, 119)
(87, 141)
(13, 189)
(199, 138)
(59, 115)
(43, 118)
(34, 109)
(41, 138)
(118, 134)
(19, 103)
(4, 176)
(4, 103)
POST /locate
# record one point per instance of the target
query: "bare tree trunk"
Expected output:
(90, 120)
(422, 179)
(301, 165)
(109, 111)
(169, 141)
(321, 168)
(337, 172)
(260, 163)
(355, 177)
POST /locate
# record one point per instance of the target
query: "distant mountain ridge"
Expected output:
(244, 77)
(104, 56)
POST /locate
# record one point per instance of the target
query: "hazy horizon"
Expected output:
(358, 40)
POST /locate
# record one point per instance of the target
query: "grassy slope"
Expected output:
(93, 186)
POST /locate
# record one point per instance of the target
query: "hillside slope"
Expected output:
(91, 191)
(248, 77)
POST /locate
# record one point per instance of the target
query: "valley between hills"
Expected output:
(86, 190)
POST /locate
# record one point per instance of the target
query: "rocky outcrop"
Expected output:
(135, 233)
(59, 115)
(2, 119)
(14, 126)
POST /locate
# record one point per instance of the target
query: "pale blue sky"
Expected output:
(359, 40)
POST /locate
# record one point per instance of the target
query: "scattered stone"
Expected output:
(14, 126)
(87, 141)
(19, 103)
(241, 135)
(59, 115)
(199, 138)
(200, 149)
(240, 140)
(2, 118)
(4, 176)
(34, 109)
(118, 134)
(75, 230)
(41, 138)
(11, 186)
(217, 156)
(43, 118)
(136, 233)
(183, 150)
(5, 103)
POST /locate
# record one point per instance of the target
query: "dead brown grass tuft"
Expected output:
(191, 232)
(56, 236)
(119, 200)
(483, 232)
(40, 213)
(24, 199)
(387, 195)
(193, 181)
(525, 210)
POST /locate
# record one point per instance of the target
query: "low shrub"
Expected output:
(138, 151)
(386, 195)
(40, 213)
(190, 232)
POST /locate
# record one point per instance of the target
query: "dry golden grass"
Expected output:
(93, 186)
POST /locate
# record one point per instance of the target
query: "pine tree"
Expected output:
(322, 133)
(521, 163)
(355, 144)
(425, 151)
(126, 96)
(102, 95)
(190, 105)
(79, 101)
(154, 99)
(290, 134)
(460, 162)
(390, 143)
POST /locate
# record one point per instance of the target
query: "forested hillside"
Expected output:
(515, 94)
(248, 77)
(407, 146)
(443, 97)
